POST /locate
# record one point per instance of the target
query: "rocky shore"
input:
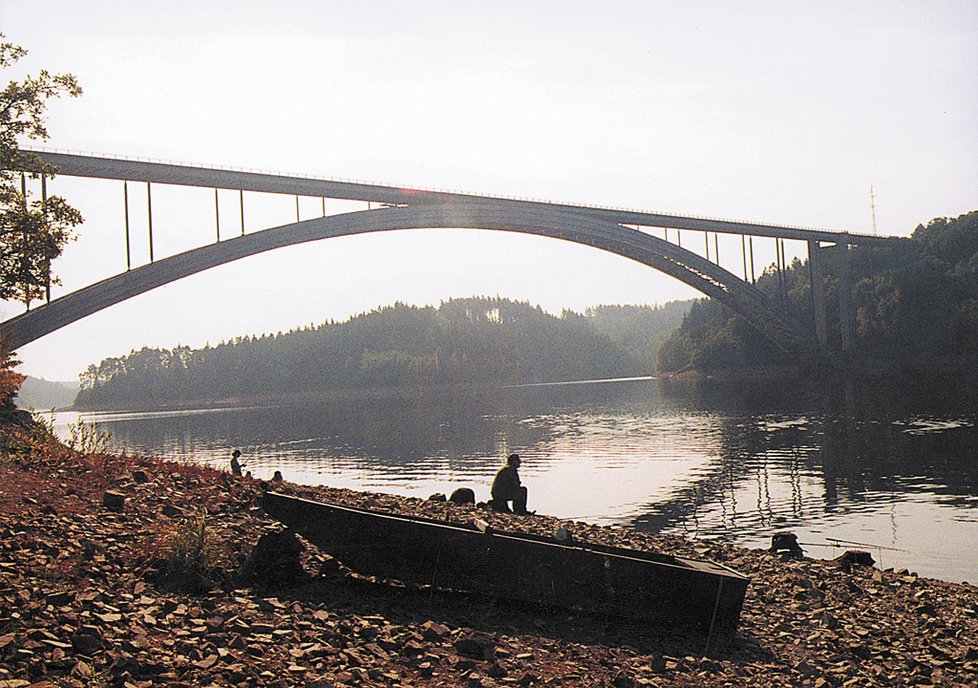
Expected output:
(97, 589)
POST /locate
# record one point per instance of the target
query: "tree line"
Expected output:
(911, 304)
(474, 340)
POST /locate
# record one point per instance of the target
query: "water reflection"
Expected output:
(875, 465)
(889, 468)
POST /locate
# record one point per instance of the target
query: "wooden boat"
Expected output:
(596, 579)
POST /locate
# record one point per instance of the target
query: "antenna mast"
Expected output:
(872, 207)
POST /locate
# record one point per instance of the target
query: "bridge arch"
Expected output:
(569, 225)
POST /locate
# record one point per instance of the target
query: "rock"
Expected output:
(172, 511)
(496, 670)
(274, 559)
(59, 599)
(482, 526)
(184, 580)
(207, 662)
(434, 631)
(85, 643)
(113, 501)
(463, 495)
(437, 497)
(140, 477)
(476, 646)
(785, 544)
(854, 557)
(622, 680)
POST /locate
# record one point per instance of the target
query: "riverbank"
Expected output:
(907, 373)
(82, 601)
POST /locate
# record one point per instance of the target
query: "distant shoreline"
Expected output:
(356, 394)
(961, 368)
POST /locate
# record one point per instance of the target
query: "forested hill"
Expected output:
(475, 340)
(912, 305)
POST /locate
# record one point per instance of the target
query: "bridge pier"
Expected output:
(779, 263)
(816, 280)
(845, 301)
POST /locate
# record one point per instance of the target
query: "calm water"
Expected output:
(897, 472)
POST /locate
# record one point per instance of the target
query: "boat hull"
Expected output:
(610, 581)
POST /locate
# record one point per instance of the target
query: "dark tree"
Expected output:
(33, 232)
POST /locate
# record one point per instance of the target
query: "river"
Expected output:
(869, 468)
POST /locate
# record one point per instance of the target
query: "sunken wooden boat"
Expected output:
(609, 581)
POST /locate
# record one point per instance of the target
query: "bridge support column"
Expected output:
(750, 245)
(149, 213)
(125, 210)
(815, 277)
(779, 262)
(44, 197)
(743, 254)
(845, 300)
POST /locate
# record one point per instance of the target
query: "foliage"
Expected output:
(10, 380)
(641, 330)
(918, 302)
(186, 546)
(87, 439)
(32, 232)
(187, 560)
(463, 341)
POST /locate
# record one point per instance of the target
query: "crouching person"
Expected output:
(506, 488)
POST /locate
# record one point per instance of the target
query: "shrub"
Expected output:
(187, 557)
(10, 380)
(87, 439)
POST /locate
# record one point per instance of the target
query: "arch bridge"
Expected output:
(625, 233)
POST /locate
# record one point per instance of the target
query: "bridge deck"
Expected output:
(91, 166)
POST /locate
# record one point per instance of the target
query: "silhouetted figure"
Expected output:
(506, 488)
(463, 495)
(235, 464)
(277, 477)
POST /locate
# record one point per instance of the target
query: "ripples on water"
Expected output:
(889, 470)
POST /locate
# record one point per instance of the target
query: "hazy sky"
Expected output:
(780, 112)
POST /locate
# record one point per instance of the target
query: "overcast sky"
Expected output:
(781, 112)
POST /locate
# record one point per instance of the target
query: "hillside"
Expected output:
(40, 394)
(913, 306)
(484, 341)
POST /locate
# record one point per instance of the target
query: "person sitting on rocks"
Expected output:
(506, 488)
(235, 464)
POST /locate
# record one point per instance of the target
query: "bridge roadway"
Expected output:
(601, 228)
(75, 165)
